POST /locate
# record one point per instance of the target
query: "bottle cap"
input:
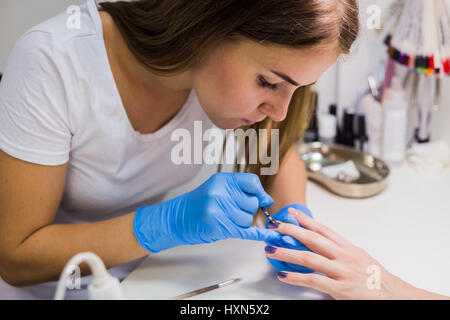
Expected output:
(332, 109)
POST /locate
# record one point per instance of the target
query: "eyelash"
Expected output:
(263, 83)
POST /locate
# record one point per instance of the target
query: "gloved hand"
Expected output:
(220, 208)
(288, 241)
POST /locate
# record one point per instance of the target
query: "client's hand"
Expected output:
(344, 270)
(288, 241)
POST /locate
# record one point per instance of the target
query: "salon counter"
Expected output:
(406, 228)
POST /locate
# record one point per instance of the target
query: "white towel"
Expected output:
(432, 157)
(346, 171)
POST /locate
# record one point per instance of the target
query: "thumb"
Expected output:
(250, 184)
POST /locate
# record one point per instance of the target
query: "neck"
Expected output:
(137, 73)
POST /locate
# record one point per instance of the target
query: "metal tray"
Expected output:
(373, 171)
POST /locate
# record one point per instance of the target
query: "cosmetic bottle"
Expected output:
(312, 133)
(332, 109)
(327, 128)
(347, 134)
(373, 112)
(361, 140)
(395, 116)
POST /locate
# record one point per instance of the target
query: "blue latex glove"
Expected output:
(288, 241)
(219, 209)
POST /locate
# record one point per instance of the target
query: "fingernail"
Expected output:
(270, 249)
(293, 211)
(282, 274)
(273, 225)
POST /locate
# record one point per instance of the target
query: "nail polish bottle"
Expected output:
(348, 136)
(361, 140)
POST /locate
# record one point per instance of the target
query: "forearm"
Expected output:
(289, 185)
(43, 255)
(405, 291)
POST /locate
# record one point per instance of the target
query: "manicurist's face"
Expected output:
(237, 82)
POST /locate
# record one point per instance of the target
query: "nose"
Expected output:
(277, 109)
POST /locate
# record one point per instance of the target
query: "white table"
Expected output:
(406, 228)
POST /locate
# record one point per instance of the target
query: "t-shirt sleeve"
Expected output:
(34, 124)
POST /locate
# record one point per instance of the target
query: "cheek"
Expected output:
(227, 91)
(238, 91)
(238, 97)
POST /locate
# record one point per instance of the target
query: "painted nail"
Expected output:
(282, 274)
(273, 225)
(270, 249)
(293, 212)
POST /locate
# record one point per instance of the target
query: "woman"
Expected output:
(87, 110)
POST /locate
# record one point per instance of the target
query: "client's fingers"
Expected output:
(306, 259)
(311, 239)
(311, 224)
(310, 280)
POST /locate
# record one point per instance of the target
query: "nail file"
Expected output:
(206, 289)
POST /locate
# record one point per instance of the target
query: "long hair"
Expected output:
(170, 36)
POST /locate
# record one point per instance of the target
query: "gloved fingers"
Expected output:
(283, 216)
(287, 266)
(258, 234)
(307, 259)
(292, 243)
(249, 183)
(239, 218)
(246, 202)
(287, 242)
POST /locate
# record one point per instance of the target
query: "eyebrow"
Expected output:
(285, 78)
(288, 79)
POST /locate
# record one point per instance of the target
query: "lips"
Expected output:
(248, 122)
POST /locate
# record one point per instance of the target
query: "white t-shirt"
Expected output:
(59, 103)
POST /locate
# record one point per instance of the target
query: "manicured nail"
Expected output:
(293, 211)
(270, 249)
(273, 225)
(282, 274)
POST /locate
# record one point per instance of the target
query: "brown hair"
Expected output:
(170, 36)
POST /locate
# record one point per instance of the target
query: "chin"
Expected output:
(228, 124)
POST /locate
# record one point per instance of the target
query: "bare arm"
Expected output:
(289, 185)
(32, 248)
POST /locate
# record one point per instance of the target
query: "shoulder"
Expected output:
(59, 34)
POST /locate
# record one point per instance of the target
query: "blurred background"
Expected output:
(341, 85)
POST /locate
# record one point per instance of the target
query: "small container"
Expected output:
(373, 112)
(327, 128)
(395, 115)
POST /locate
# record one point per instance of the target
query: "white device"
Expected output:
(103, 286)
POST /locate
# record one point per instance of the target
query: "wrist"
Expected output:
(152, 228)
(398, 289)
